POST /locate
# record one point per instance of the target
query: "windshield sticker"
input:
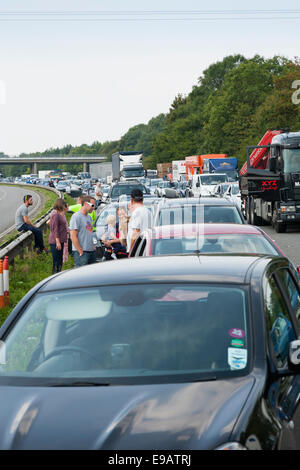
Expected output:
(237, 343)
(237, 358)
(236, 333)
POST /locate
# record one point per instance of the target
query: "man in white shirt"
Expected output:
(140, 218)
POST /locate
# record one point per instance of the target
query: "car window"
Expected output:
(279, 326)
(198, 214)
(291, 291)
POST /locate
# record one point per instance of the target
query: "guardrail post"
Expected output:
(2, 303)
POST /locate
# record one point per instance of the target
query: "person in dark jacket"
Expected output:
(58, 233)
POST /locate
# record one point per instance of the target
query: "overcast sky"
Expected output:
(70, 78)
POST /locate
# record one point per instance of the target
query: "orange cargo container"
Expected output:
(194, 164)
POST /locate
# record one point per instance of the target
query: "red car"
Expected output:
(204, 239)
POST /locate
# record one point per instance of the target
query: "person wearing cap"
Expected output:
(140, 218)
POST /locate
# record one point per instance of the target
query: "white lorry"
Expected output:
(127, 166)
(178, 170)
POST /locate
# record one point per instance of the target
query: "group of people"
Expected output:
(119, 236)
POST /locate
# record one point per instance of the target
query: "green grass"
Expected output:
(27, 272)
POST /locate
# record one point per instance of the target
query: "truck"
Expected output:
(194, 163)
(227, 165)
(270, 180)
(43, 174)
(127, 166)
(101, 170)
(163, 169)
(178, 170)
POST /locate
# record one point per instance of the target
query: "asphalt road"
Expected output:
(11, 197)
(288, 242)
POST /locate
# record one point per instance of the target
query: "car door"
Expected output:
(282, 313)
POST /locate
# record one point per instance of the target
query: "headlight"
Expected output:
(231, 446)
(288, 208)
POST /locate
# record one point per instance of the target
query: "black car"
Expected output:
(185, 352)
(120, 189)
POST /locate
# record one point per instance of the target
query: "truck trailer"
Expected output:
(194, 163)
(270, 180)
(178, 170)
(227, 165)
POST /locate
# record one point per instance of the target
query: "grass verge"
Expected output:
(27, 272)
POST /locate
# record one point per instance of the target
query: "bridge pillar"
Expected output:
(84, 167)
(34, 169)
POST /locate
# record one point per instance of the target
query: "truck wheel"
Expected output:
(254, 219)
(279, 228)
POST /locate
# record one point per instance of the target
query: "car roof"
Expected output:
(168, 269)
(203, 228)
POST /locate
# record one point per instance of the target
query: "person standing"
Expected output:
(81, 231)
(98, 194)
(58, 233)
(140, 219)
(23, 223)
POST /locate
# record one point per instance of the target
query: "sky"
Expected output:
(79, 71)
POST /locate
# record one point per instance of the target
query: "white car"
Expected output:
(205, 184)
(234, 194)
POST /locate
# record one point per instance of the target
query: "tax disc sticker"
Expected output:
(236, 333)
(237, 358)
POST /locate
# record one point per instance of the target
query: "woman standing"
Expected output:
(58, 233)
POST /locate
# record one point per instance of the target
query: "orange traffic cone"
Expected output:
(2, 303)
(6, 280)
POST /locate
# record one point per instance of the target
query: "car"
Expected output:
(221, 189)
(204, 184)
(181, 352)
(197, 210)
(233, 193)
(124, 188)
(111, 209)
(163, 187)
(205, 238)
(62, 186)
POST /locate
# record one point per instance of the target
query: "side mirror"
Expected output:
(198, 184)
(294, 354)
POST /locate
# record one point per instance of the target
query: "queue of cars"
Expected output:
(191, 343)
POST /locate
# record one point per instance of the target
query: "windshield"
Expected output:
(118, 190)
(213, 179)
(190, 214)
(235, 189)
(291, 160)
(130, 332)
(216, 243)
(133, 173)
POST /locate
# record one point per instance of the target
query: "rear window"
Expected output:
(216, 243)
(189, 214)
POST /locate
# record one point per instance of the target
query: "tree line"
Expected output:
(232, 105)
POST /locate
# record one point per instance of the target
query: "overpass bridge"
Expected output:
(58, 159)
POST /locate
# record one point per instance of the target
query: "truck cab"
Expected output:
(271, 195)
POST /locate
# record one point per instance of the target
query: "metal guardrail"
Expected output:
(26, 239)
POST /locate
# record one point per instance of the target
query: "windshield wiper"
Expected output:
(79, 384)
(204, 379)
